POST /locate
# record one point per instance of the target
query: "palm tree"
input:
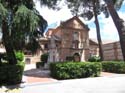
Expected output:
(119, 23)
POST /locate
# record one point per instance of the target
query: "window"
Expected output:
(75, 36)
(75, 44)
(46, 46)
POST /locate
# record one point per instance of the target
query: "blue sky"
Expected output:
(107, 27)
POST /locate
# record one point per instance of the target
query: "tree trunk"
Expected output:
(7, 43)
(119, 25)
(99, 38)
(98, 33)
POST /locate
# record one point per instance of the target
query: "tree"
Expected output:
(119, 23)
(89, 9)
(96, 12)
(20, 23)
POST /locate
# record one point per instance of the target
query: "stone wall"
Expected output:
(112, 51)
(30, 59)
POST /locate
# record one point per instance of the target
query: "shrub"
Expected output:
(39, 64)
(44, 57)
(94, 59)
(115, 67)
(71, 70)
(19, 55)
(11, 74)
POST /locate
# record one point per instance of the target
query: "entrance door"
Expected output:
(76, 57)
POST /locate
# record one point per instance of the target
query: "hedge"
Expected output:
(94, 59)
(44, 57)
(71, 70)
(11, 74)
(39, 64)
(114, 67)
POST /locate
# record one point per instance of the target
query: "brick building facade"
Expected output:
(71, 38)
(112, 51)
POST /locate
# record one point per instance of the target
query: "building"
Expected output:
(112, 51)
(70, 39)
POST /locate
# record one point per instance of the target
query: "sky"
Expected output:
(107, 27)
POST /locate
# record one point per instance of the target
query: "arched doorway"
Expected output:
(76, 57)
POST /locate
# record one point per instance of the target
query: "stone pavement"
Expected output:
(33, 75)
(107, 84)
(39, 81)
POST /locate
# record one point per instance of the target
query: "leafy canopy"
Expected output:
(23, 21)
(84, 8)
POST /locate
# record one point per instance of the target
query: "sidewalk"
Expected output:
(43, 83)
(104, 74)
(39, 81)
(33, 75)
(33, 79)
(106, 84)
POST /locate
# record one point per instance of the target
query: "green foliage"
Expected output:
(84, 8)
(27, 16)
(51, 3)
(19, 55)
(19, 20)
(117, 4)
(71, 70)
(39, 64)
(11, 74)
(33, 46)
(44, 57)
(94, 59)
(114, 66)
(3, 11)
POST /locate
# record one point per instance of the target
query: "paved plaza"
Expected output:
(39, 81)
(108, 84)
